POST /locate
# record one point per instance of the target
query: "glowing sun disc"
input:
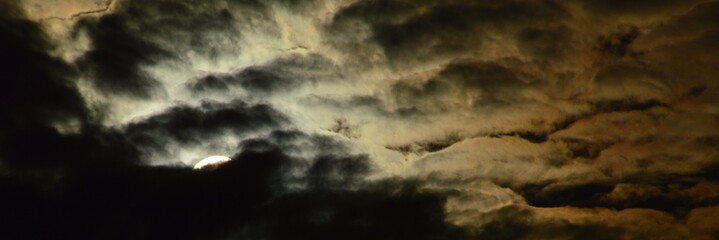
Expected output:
(211, 161)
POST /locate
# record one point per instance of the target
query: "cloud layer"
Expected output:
(359, 119)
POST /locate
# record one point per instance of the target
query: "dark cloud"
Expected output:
(480, 83)
(93, 146)
(58, 182)
(617, 44)
(362, 215)
(561, 120)
(691, 60)
(139, 34)
(626, 105)
(677, 196)
(635, 168)
(414, 31)
(344, 127)
(636, 165)
(26, 66)
(642, 8)
(579, 147)
(363, 103)
(39, 99)
(547, 44)
(117, 58)
(252, 196)
(188, 125)
(586, 195)
(625, 77)
(519, 223)
(700, 18)
(428, 146)
(672, 193)
(280, 75)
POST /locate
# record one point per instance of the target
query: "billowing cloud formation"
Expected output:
(360, 119)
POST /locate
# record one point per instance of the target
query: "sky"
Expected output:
(359, 119)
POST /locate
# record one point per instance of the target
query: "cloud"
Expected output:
(116, 60)
(480, 84)
(412, 32)
(137, 35)
(210, 123)
(360, 119)
(263, 192)
(39, 99)
(280, 75)
(23, 104)
(523, 223)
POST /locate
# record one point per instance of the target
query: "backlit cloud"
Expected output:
(360, 119)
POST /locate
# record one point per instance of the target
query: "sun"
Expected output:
(211, 162)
